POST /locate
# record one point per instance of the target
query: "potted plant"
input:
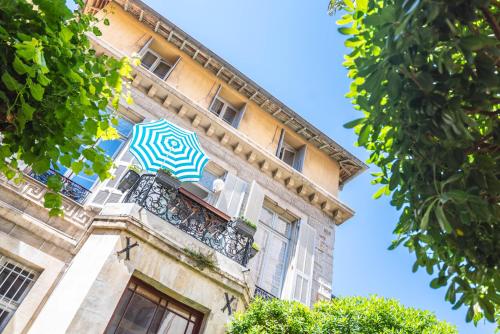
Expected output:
(165, 178)
(254, 250)
(245, 227)
(130, 178)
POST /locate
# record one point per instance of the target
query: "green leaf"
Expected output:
(425, 219)
(66, 34)
(96, 31)
(348, 31)
(442, 220)
(54, 183)
(36, 91)
(10, 82)
(363, 134)
(380, 192)
(351, 124)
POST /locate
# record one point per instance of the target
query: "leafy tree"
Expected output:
(54, 91)
(354, 315)
(425, 76)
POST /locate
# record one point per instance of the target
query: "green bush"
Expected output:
(354, 315)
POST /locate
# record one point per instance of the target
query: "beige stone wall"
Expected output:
(128, 35)
(85, 299)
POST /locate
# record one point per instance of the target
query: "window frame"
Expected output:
(225, 105)
(10, 304)
(164, 300)
(125, 139)
(284, 237)
(159, 59)
(286, 146)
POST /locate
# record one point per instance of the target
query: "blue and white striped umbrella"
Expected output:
(161, 144)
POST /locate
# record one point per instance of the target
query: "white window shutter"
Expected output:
(215, 96)
(232, 195)
(304, 263)
(280, 143)
(172, 68)
(239, 116)
(254, 203)
(298, 163)
(145, 46)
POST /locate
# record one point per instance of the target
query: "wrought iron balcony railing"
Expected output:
(192, 215)
(259, 292)
(69, 189)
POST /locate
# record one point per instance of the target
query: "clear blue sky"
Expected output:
(292, 49)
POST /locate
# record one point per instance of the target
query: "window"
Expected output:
(153, 62)
(291, 151)
(288, 154)
(273, 236)
(15, 282)
(144, 310)
(224, 110)
(110, 147)
(204, 187)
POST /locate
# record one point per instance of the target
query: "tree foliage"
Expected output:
(54, 91)
(355, 315)
(425, 76)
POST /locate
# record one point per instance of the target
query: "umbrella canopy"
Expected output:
(161, 144)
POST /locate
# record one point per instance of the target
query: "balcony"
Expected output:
(191, 215)
(69, 189)
(259, 292)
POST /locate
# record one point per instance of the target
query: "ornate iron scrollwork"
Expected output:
(69, 189)
(259, 292)
(191, 217)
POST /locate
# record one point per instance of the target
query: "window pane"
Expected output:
(217, 107)
(124, 127)
(207, 179)
(282, 226)
(138, 316)
(266, 216)
(111, 147)
(172, 324)
(288, 156)
(161, 69)
(15, 282)
(148, 59)
(229, 115)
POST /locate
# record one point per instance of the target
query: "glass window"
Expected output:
(273, 235)
(161, 69)
(224, 110)
(155, 64)
(287, 154)
(217, 107)
(148, 59)
(111, 149)
(229, 115)
(144, 310)
(15, 282)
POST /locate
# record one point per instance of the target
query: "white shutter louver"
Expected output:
(254, 202)
(304, 259)
(239, 116)
(298, 163)
(215, 97)
(231, 197)
(145, 46)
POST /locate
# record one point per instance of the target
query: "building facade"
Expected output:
(154, 258)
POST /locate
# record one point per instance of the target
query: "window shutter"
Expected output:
(231, 197)
(304, 260)
(145, 46)
(214, 97)
(298, 163)
(172, 68)
(239, 116)
(254, 202)
(280, 142)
